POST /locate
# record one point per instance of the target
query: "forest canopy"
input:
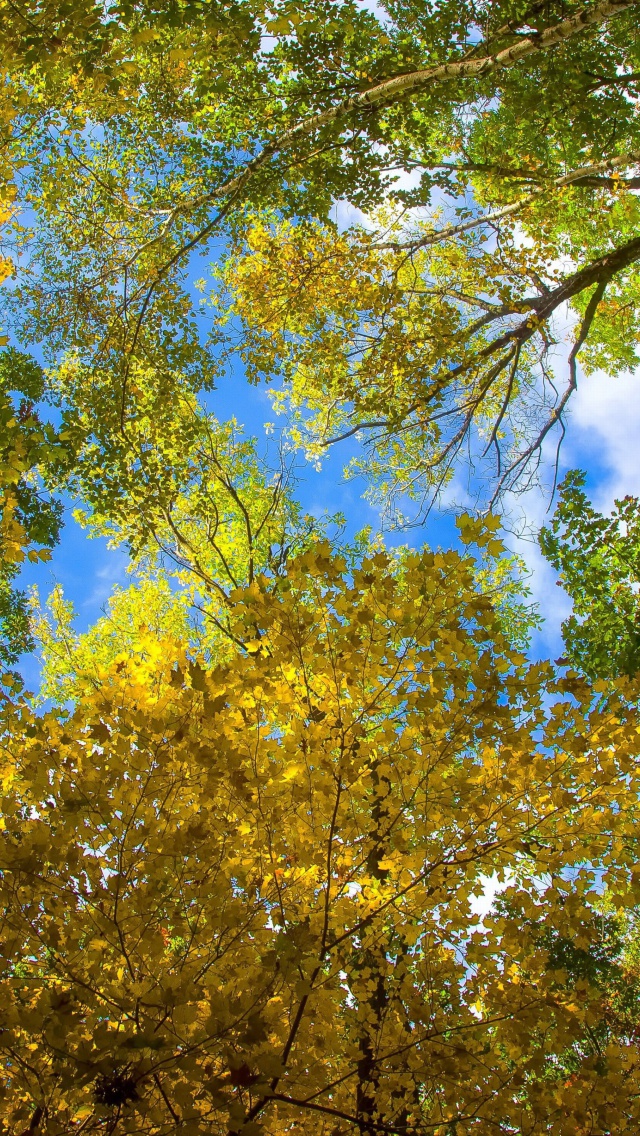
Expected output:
(299, 835)
(491, 147)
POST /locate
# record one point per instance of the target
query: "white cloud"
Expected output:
(376, 10)
(605, 434)
(553, 602)
(112, 571)
(603, 439)
(345, 215)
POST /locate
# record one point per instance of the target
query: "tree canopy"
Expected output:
(246, 899)
(598, 561)
(148, 137)
(295, 837)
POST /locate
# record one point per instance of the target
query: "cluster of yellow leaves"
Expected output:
(407, 348)
(243, 900)
(12, 533)
(6, 265)
(357, 318)
(7, 195)
(74, 664)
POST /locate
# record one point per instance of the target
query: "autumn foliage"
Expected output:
(250, 900)
(295, 839)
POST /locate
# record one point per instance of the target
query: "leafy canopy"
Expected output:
(598, 559)
(245, 899)
(136, 149)
(245, 872)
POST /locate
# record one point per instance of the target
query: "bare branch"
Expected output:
(556, 415)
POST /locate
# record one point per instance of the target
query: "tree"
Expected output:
(177, 603)
(200, 516)
(243, 900)
(209, 127)
(428, 342)
(67, 41)
(598, 559)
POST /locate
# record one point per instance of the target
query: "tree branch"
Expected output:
(585, 175)
(556, 415)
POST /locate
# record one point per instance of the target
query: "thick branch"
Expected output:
(601, 269)
(398, 87)
(556, 414)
